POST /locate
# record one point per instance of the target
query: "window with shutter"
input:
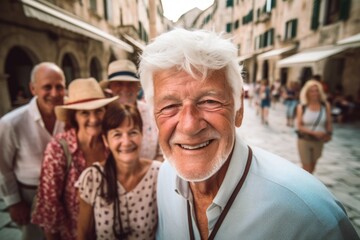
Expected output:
(315, 15)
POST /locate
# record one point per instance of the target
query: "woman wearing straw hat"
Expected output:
(124, 83)
(57, 200)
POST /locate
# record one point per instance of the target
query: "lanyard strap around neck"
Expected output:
(227, 206)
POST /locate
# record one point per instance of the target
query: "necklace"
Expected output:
(227, 206)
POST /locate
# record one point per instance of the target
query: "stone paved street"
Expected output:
(338, 168)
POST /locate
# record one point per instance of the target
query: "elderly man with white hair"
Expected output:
(212, 184)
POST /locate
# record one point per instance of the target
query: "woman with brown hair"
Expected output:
(118, 197)
(313, 123)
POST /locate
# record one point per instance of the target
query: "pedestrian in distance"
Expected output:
(291, 100)
(314, 124)
(67, 155)
(212, 184)
(124, 82)
(265, 101)
(121, 203)
(24, 134)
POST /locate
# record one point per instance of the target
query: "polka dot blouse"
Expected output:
(138, 208)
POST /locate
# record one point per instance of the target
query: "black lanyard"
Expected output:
(227, 206)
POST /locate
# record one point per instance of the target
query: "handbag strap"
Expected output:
(67, 154)
(68, 158)
(316, 123)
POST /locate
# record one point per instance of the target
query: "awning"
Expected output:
(244, 57)
(57, 17)
(355, 39)
(308, 57)
(135, 42)
(276, 52)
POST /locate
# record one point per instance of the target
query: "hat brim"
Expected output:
(61, 112)
(105, 83)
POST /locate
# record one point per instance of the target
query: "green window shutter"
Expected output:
(315, 15)
(271, 33)
(229, 3)
(228, 27)
(236, 24)
(251, 15)
(294, 28)
(273, 4)
(345, 9)
(265, 39)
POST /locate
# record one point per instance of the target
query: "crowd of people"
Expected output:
(90, 165)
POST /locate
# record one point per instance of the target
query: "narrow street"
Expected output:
(339, 166)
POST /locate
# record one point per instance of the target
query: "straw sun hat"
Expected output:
(121, 70)
(83, 94)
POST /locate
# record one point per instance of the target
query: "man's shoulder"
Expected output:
(15, 116)
(286, 182)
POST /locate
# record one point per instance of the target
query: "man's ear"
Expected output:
(32, 88)
(240, 113)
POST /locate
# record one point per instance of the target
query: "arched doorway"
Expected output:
(18, 66)
(306, 74)
(69, 66)
(95, 69)
(265, 70)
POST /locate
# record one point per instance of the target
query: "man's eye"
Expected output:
(59, 87)
(170, 109)
(47, 88)
(209, 104)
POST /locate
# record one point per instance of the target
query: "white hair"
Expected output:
(196, 52)
(49, 65)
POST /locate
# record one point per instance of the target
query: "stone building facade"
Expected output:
(292, 40)
(81, 36)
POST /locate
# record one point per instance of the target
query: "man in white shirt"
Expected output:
(25, 132)
(212, 185)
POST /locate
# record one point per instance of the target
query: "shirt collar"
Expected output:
(232, 177)
(34, 110)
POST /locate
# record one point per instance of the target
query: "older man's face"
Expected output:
(196, 122)
(49, 87)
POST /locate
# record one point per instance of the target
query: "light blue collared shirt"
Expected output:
(277, 201)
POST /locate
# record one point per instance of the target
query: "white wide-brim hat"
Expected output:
(121, 70)
(83, 94)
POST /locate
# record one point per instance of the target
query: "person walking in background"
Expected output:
(291, 98)
(25, 132)
(265, 101)
(122, 202)
(57, 205)
(275, 92)
(124, 83)
(314, 124)
(212, 185)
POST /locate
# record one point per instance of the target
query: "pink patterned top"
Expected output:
(57, 211)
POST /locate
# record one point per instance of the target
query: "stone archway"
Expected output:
(69, 66)
(18, 66)
(95, 69)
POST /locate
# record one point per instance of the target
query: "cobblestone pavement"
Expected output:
(338, 168)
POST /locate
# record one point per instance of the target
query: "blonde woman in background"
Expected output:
(314, 124)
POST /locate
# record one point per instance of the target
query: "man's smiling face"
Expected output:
(196, 121)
